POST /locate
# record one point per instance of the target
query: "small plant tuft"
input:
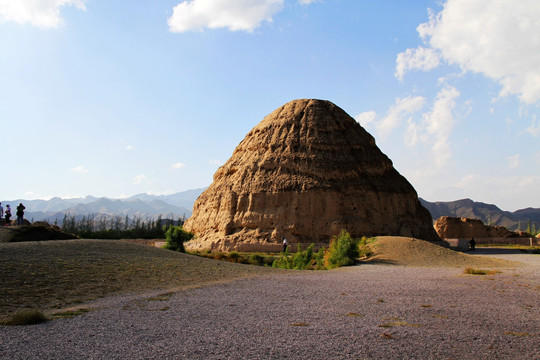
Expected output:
(473, 271)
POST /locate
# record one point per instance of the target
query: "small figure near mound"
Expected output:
(305, 172)
(472, 244)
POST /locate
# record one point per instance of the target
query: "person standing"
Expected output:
(1, 211)
(472, 244)
(7, 214)
(285, 244)
(20, 214)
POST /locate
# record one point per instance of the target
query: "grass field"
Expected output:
(52, 275)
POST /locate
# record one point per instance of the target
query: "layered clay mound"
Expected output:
(454, 228)
(306, 171)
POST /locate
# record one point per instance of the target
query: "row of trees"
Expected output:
(117, 227)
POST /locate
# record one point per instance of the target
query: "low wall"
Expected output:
(274, 248)
(463, 243)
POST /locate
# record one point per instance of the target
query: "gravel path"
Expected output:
(362, 312)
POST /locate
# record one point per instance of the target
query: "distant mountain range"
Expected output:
(180, 205)
(488, 213)
(145, 206)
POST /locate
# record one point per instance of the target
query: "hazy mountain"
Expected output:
(183, 199)
(173, 206)
(488, 213)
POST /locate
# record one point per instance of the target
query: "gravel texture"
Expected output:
(362, 312)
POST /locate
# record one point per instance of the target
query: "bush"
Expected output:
(176, 236)
(256, 259)
(301, 260)
(343, 251)
(364, 248)
(284, 261)
(27, 317)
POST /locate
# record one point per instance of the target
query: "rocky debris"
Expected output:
(305, 172)
(452, 227)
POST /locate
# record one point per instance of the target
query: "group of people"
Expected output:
(7, 214)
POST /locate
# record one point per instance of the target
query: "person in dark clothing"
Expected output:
(20, 214)
(472, 244)
(285, 244)
(7, 214)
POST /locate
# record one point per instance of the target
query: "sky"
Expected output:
(116, 98)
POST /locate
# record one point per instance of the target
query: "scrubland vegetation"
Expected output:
(342, 251)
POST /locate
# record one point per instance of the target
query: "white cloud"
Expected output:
(140, 179)
(366, 118)
(420, 58)
(402, 108)
(79, 169)
(466, 181)
(534, 129)
(159, 193)
(499, 39)
(306, 2)
(178, 165)
(513, 161)
(130, 147)
(235, 15)
(215, 162)
(439, 124)
(41, 13)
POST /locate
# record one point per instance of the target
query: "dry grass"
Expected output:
(473, 271)
(49, 275)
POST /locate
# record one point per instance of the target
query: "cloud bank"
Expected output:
(40, 13)
(234, 15)
(499, 39)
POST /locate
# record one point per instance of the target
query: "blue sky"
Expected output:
(116, 98)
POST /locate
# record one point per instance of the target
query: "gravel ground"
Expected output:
(361, 312)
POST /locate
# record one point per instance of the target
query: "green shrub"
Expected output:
(176, 236)
(283, 261)
(27, 317)
(233, 256)
(364, 248)
(256, 259)
(343, 251)
(301, 260)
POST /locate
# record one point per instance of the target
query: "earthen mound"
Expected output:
(413, 252)
(305, 172)
(451, 228)
(34, 232)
